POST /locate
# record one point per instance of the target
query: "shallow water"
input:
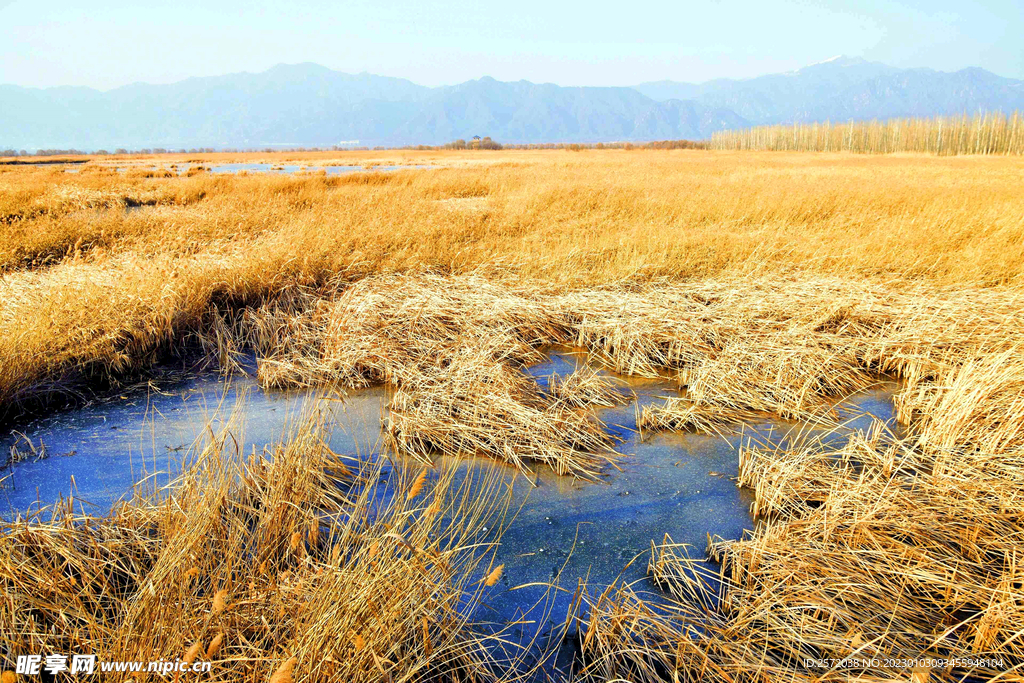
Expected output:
(98, 452)
(183, 168)
(58, 162)
(279, 168)
(681, 484)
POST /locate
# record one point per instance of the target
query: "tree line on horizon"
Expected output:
(991, 133)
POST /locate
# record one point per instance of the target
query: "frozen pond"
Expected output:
(675, 483)
(98, 452)
(183, 167)
(283, 168)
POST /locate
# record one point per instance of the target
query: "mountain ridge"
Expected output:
(850, 88)
(308, 104)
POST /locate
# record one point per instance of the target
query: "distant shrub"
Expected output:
(475, 143)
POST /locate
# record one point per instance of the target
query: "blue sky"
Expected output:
(108, 44)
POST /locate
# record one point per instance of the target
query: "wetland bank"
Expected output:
(499, 308)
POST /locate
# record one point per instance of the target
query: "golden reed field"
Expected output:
(762, 283)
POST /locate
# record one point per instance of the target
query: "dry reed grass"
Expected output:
(655, 213)
(91, 290)
(455, 347)
(762, 284)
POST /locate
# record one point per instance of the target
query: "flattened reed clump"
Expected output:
(376, 589)
(739, 349)
(455, 349)
(491, 409)
(585, 387)
(977, 406)
(680, 414)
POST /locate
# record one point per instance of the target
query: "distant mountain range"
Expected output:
(848, 88)
(310, 105)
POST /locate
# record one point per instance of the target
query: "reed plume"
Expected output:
(193, 652)
(494, 576)
(417, 485)
(283, 674)
(215, 646)
(220, 601)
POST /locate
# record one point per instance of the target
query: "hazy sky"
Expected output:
(107, 44)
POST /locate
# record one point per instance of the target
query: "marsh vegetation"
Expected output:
(761, 286)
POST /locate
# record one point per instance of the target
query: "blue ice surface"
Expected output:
(564, 530)
(183, 167)
(311, 168)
